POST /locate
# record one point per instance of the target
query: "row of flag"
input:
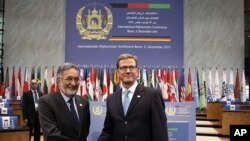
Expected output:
(96, 83)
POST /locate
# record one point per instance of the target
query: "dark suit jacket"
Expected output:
(28, 107)
(57, 122)
(145, 119)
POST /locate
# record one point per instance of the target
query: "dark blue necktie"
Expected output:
(73, 113)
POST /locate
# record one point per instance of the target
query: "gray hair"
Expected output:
(66, 66)
(126, 56)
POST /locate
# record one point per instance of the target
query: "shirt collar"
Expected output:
(66, 99)
(131, 89)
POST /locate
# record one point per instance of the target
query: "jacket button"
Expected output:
(125, 136)
(125, 122)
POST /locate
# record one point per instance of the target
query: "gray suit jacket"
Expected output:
(145, 119)
(56, 120)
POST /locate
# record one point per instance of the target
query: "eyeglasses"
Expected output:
(125, 68)
(71, 79)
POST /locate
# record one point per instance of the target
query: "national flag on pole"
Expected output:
(217, 92)
(210, 94)
(25, 81)
(231, 86)
(203, 98)
(18, 84)
(79, 91)
(90, 88)
(98, 90)
(243, 87)
(39, 79)
(165, 86)
(196, 89)
(237, 87)
(53, 84)
(104, 85)
(7, 85)
(224, 88)
(13, 92)
(152, 84)
(189, 87)
(175, 84)
(182, 89)
(111, 82)
(33, 76)
(144, 77)
(1, 80)
(45, 85)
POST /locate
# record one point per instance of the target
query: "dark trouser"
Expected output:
(36, 127)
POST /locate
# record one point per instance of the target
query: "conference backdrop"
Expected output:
(98, 31)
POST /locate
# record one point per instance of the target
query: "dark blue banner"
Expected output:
(98, 31)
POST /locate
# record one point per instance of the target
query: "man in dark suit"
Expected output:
(65, 116)
(142, 119)
(29, 108)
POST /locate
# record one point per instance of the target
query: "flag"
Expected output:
(182, 89)
(237, 87)
(45, 85)
(39, 79)
(98, 90)
(224, 88)
(1, 80)
(231, 86)
(90, 89)
(7, 84)
(152, 84)
(25, 81)
(189, 87)
(18, 83)
(210, 94)
(217, 94)
(144, 77)
(203, 98)
(165, 86)
(175, 84)
(243, 88)
(33, 76)
(79, 91)
(104, 85)
(196, 89)
(53, 84)
(111, 83)
(13, 92)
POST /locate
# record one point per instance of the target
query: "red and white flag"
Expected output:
(53, 84)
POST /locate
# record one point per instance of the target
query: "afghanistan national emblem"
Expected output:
(94, 22)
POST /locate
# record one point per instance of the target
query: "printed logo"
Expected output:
(94, 21)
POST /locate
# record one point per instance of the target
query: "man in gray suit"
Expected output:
(135, 113)
(65, 116)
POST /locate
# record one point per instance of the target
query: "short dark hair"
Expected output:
(126, 56)
(66, 66)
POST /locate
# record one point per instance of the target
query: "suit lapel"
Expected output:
(65, 109)
(79, 106)
(118, 102)
(136, 97)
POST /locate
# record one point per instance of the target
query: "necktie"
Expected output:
(126, 102)
(36, 100)
(73, 113)
(35, 97)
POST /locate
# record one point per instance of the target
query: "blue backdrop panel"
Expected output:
(98, 31)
